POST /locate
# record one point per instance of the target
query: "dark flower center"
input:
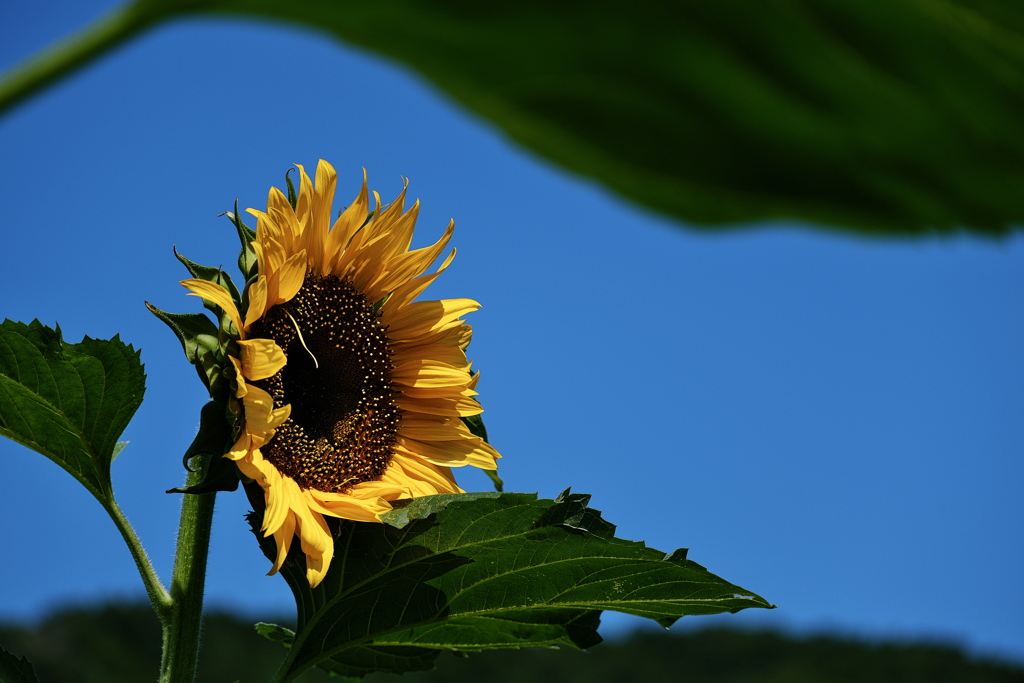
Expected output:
(338, 381)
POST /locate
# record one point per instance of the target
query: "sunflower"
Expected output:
(349, 393)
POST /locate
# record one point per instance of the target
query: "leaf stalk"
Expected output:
(73, 53)
(158, 595)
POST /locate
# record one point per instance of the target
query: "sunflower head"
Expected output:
(344, 393)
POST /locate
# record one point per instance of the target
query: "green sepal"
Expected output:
(292, 197)
(499, 483)
(477, 428)
(211, 373)
(210, 274)
(200, 340)
(218, 277)
(15, 669)
(195, 331)
(207, 450)
(246, 235)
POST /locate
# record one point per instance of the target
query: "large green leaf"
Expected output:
(69, 402)
(900, 116)
(896, 117)
(472, 572)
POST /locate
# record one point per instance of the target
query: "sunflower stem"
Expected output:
(73, 53)
(188, 582)
(158, 595)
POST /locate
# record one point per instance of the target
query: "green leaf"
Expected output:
(888, 117)
(69, 402)
(14, 669)
(896, 117)
(471, 572)
(891, 118)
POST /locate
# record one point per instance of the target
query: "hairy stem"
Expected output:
(158, 595)
(188, 583)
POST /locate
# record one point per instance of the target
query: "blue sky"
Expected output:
(832, 422)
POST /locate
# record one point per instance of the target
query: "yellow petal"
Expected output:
(261, 358)
(397, 224)
(425, 479)
(283, 495)
(304, 214)
(217, 295)
(458, 406)
(438, 429)
(427, 374)
(405, 267)
(423, 318)
(242, 389)
(319, 219)
(261, 418)
(438, 392)
(362, 503)
(316, 541)
(350, 220)
(451, 453)
(283, 536)
(289, 278)
(450, 354)
(257, 301)
(405, 293)
(284, 218)
(241, 447)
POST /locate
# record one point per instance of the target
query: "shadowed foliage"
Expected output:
(888, 118)
(120, 643)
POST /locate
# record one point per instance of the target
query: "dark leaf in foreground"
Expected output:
(895, 117)
(889, 118)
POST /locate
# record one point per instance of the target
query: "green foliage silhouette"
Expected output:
(120, 643)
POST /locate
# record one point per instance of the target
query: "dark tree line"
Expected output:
(121, 644)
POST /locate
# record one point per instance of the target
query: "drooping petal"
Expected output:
(257, 301)
(215, 294)
(283, 536)
(261, 417)
(424, 478)
(261, 358)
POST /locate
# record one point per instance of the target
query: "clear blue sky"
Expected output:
(831, 422)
